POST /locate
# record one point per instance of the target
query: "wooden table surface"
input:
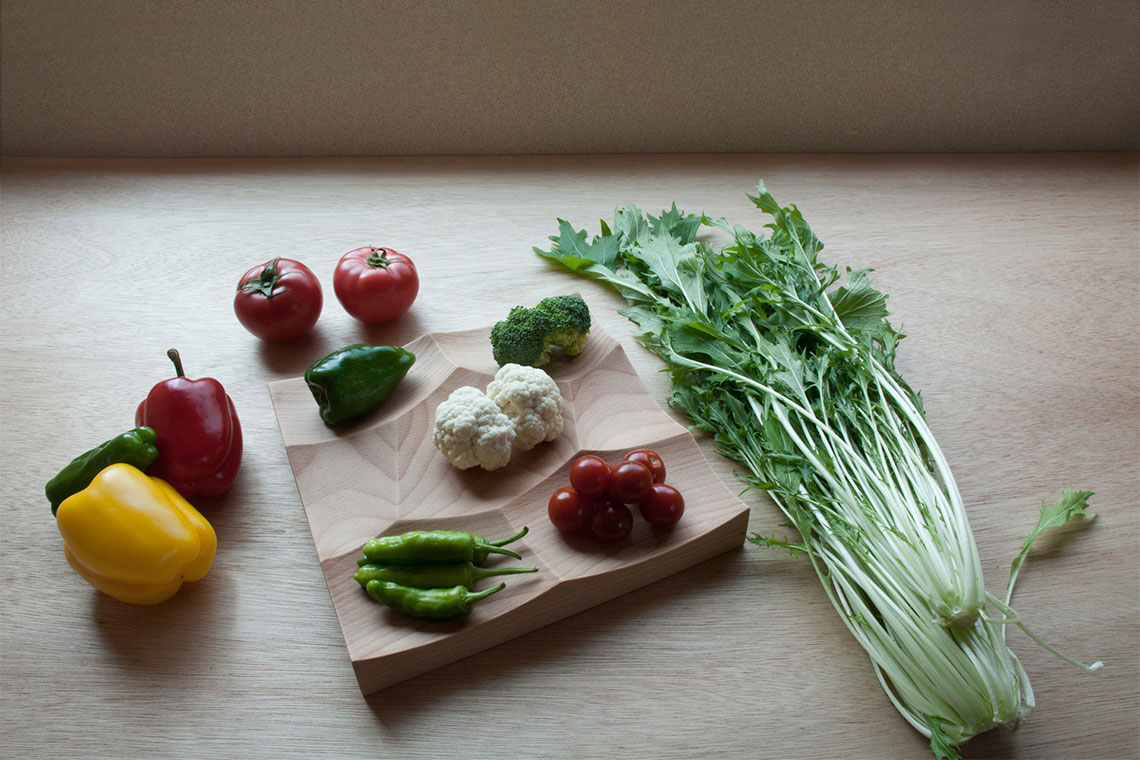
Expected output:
(1016, 278)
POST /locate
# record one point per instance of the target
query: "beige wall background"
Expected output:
(349, 77)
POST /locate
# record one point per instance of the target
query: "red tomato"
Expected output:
(663, 506)
(630, 481)
(612, 521)
(279, 300)
(590, 475)
(650, 459)
(570, 511)
(375, 284)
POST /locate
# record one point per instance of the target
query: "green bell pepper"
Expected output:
(135, 447)
(356, 379)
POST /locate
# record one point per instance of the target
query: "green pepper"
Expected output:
(420, 546)
(434, 575)
(430, 604)
(356, 379)
(135, 447)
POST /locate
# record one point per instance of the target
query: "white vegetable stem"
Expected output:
(899, 583)
(895, 553)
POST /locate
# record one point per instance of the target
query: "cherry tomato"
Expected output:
(630, 482)
(590, 475)
(375, 284)
(279, 300)
(650, 459)
(663, 506)
(570, 511)
(612, 521)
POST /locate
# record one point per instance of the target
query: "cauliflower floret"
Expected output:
(470, 430)
(532, 402)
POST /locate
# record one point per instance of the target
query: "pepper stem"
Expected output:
(485, 592)
(486, 572)
(509, 539)
(490, 549)
(174, 357)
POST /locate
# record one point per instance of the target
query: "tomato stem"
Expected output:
(379, 257)
(265, 282)
(174, 357)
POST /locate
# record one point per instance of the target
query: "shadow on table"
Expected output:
(567, 640)
(996, 743)
(292, 358)
(167, 638)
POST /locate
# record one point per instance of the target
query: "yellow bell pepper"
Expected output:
(134, 537)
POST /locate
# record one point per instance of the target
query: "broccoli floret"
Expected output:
(521, 338)
(571, 318)
(527, 336)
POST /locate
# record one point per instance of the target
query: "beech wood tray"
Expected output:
(382, 475)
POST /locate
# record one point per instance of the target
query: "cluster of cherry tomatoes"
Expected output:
(597, 501)
(281, 299)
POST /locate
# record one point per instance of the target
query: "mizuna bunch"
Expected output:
(793, 373)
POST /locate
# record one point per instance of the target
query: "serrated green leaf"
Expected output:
(573, 250)
(651, 325)
(941, 744)
(1073, 505)
(693, 341)
(677, 266)
(778, 543)
(630, 226)
(857, 304)
(682, 227)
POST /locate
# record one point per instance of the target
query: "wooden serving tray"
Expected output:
(382, 475)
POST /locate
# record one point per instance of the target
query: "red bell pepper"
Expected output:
(198, 434)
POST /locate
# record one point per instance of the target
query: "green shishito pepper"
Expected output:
(429, 604)
(446, 575)
(420, 546)
(354, 380)
(135, 447)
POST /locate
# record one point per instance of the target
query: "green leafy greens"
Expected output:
(793, 373)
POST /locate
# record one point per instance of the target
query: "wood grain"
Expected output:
(1014, 277)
